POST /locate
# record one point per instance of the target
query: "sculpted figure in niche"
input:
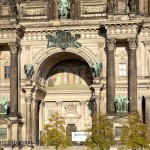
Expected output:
(132, 5)
(63, 8)
(111, 6)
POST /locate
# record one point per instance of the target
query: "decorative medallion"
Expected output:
(63, 40)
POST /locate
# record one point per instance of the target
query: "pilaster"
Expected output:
(132, 74)
(34, 117)
(82, 105)
(147, 111)
(110, 76)
(147, 58)
(28, 100)
(59, 107)
(96, 89)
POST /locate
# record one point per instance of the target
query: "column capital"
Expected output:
(28, 99)
(146, 43)
(133, 43)
(14, 47)
(58, 102)
(111, 44)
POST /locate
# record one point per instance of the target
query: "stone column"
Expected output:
(14, 79)
(97, 100)
(82, 104)
(132, 75)
(34, 118)
(28, 114)
(147, 112)
(110, 76)
(9, 132)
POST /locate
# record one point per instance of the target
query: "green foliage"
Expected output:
(134, 133)
(102, 136)
(55, 133)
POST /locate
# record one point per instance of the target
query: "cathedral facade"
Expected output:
(75, 57)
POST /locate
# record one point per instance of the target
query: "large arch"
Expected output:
(52, 56)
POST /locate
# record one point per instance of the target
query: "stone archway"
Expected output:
(49, 55)
(63, 98)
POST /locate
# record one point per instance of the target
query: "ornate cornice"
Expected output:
(34, 35)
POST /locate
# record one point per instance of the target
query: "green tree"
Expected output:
(55, 133)
(134, 132)
(102, 135)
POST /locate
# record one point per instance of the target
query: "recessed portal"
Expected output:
(69, 73)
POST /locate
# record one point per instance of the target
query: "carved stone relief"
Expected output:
(94, 9)
(70, 106)
(121, 55)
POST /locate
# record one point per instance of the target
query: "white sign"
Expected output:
(80, 136)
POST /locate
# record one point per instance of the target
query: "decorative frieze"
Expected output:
(97, 8)
(12, 33)
(70, 106)
(41, 36)
(34, 12)
(125, 30)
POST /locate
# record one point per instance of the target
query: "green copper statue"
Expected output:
(4, 104)
(63, 8)
(96, 69)
(29, 71)
(121, 104)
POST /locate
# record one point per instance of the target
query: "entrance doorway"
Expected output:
(71, 128)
